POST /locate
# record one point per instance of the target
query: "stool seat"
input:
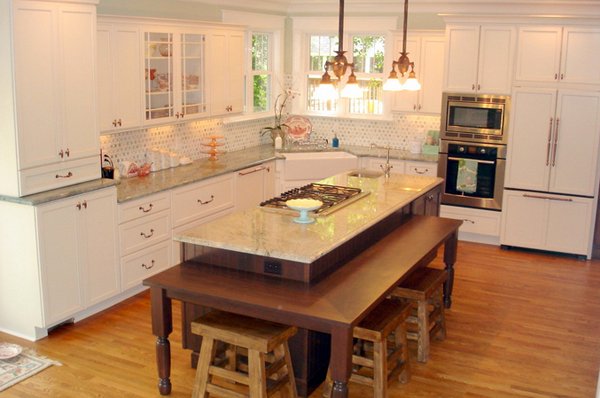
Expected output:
(423, 288)
(380, 349)
(268, 368)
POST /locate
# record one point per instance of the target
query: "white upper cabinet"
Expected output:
(479, 58)
(427, 52)
(53, 129)
(119, 82)
(558, 54)
(174, 75)
(553, 142)
(226, 71)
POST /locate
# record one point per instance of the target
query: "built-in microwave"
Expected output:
(475, 117)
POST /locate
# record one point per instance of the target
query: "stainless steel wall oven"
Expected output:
(487, 164)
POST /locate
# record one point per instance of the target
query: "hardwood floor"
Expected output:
(522, 324)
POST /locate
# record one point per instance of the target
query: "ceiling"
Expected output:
(585, 8)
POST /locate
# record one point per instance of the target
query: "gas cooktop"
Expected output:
(333, 197)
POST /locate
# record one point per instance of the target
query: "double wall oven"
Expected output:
(472, 156)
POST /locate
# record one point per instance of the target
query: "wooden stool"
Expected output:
(264, 342)
(380, 349)
(424, 289)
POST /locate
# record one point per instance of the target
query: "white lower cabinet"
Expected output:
(547, 222)
(77, 250)
(478, 225)
(145, 238)
(254, 185)
(421, 168)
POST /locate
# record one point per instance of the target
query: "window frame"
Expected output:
(305, 27)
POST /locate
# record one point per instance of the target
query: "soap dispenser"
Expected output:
(335, 142)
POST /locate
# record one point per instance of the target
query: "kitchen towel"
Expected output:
(466, 180)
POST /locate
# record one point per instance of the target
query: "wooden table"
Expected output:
(333, 305)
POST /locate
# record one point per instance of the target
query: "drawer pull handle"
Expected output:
(526, 195)
(212, 197)
(148, 267)
(146, 210)
(149, 235)
(469, 221)
(422, 171)
(253, 171)
(68, 175)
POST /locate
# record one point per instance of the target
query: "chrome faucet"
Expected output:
(387, 167)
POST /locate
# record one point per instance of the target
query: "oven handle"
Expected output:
(478, 161)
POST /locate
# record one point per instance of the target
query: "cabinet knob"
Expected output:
(473, 86)
(78, 205)
(479, 87)
(61, 154)
(419, 108)
(414, 107)
(67, 152)
(84, 204)
(562, 76)
(114, 123)
(556, 76)
(119, 123)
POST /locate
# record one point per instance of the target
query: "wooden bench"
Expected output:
(334, 305)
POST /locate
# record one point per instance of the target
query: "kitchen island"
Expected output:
(259, 262)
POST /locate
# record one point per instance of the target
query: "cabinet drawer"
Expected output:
(45, 178)
(202, 199)
(484, 222)
(144, 232)
(147, 206)
(421, 168)
(143, 264)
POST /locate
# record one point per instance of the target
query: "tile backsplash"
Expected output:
(187, 138)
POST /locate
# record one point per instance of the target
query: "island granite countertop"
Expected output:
(201, 169)
(272, 233)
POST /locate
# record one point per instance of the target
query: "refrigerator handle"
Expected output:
(549, 141)
(555, 142)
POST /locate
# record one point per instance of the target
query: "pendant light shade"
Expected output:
(403, 64)
(339, 66)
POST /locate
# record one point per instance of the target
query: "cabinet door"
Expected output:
(462, 47)
(569, 225)
(78, 50)
(496, 56)
(98, 240)
(250, 187)
(538, 53)
(580, 61)
(524, 220)
(529, 148)
(119, 77)
(58, 236)
(193, 90)
(159, 87)
(37, 83)
(408, 101)
(574, 164)
(227, 72)
(431, 71)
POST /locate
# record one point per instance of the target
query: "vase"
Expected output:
(276, 132)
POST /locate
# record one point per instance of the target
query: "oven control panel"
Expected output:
(484, 152)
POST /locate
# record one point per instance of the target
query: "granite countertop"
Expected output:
(137, 187)
(273, 234)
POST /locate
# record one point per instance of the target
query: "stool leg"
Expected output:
(207, 352)
(290, 371)
(327, 384)
(257, 374)
(380, 369)
(402, 344)
(423, 326)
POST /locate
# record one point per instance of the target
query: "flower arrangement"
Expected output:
(278, 108)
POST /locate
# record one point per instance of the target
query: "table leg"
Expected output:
(449, 259)
(341, 361)
(162, 326)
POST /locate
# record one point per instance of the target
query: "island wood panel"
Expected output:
(596, 244)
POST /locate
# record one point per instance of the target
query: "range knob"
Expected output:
(482, 151)
(461, 149)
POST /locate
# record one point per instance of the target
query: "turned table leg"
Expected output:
(162, 326)
(449, 259)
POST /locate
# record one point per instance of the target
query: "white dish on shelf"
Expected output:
(8, 350)
(304, 205)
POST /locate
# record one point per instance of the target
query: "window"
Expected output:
(261, 71)
(367, 53)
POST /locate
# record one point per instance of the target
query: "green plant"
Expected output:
(278, 108)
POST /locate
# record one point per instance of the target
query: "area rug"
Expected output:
(24, 365)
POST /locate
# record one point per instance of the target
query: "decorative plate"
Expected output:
(299, 128)
(8, 350)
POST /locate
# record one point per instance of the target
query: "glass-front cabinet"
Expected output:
(174, 82)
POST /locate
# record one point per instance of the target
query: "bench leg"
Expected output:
(204, 361)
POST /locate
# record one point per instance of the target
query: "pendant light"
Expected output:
(339, 66)
(403, 64)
